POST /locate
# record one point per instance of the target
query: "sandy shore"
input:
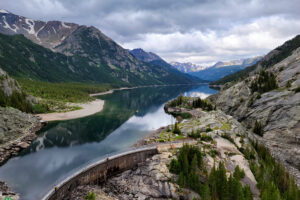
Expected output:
(111, 91)
(87, 109)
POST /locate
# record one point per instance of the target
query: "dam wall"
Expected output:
(98, 172)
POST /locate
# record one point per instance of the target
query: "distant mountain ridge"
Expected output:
(218, 70)
(81, 53)
(154, 59)
(188, 67)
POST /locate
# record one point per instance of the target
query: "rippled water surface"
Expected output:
(62, 148)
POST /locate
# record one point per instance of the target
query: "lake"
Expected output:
(64, 147)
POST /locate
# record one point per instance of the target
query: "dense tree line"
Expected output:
(273, 180)
(195, 103)
(204, 104)
(264, 82)
(215, 186)
(177, 102)
(66, 92)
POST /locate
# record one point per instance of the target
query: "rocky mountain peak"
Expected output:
(48, 34)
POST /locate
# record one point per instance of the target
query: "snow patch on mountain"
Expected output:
(4, 11)
(37, 32)
(30, 24)
(65, 25)
(7, 26)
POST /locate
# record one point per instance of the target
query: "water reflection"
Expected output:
(62, 147)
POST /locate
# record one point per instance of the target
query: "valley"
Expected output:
(97, 109)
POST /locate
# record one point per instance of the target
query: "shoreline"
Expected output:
(88, 109)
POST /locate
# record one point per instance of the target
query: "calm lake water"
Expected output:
(62, 148)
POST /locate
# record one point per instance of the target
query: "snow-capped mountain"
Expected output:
(221, 69)
(48, 34)
(187, 67)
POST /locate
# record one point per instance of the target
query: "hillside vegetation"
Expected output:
(11, 94)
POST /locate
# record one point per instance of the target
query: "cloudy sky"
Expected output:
(198, 31)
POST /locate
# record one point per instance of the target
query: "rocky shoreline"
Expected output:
(17, 146)
(17, 131)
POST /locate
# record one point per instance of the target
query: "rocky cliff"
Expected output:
(278, 110)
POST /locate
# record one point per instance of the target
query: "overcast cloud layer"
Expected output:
(198, 31)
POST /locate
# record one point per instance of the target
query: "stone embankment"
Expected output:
(101, 171)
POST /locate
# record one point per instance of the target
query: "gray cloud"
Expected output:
(200, 31)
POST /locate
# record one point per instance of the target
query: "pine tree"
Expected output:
(206, 192)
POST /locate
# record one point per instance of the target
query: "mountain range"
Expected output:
(216, 71)
(154, 59)
(60, 51)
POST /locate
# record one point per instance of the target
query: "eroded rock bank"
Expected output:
(17, 131)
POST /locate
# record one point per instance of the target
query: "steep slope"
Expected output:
(11, 94)
(155, 60)
(221, 69)
(255, 99)
(22, 58)
(270, 59)
(87, 52)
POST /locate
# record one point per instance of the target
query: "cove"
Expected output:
(64, 147)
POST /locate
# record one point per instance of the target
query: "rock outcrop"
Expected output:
(17, 130)
(278, 110)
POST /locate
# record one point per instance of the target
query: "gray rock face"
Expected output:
(17, 130)
(7, 84)
(278, 110)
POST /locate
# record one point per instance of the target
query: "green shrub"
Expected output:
(297, 89)
(40, 108)
(289, 84)
(194, 134)
(205, 137)
(176, 129)
(208, 129)
(90, 196)
(228, 137)
(258, 128)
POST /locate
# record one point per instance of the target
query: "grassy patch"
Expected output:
(225, 126)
